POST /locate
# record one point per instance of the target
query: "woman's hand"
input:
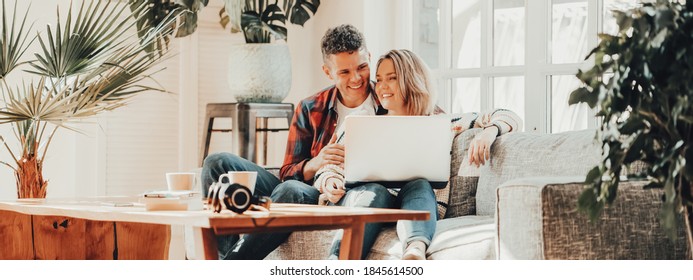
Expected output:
(480, 148)
(334, 192)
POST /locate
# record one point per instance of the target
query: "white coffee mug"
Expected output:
(180, 181)
(243, 178)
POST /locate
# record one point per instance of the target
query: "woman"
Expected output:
(404, 87)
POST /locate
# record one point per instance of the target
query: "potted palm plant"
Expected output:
(646, 108)
(85, 66)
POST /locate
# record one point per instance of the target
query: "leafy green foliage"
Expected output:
(260, 20)
(646, 107)
(156, 12)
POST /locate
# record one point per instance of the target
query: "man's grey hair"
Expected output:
(343, 38)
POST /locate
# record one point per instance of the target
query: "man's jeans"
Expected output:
(258, 246)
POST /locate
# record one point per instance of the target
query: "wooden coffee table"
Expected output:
(43, 229)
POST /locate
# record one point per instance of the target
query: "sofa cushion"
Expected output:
(463, 178)
(461, 238)
(464, 238)
(524, 154)
(304, 245)
(443, 198)
(462, 201)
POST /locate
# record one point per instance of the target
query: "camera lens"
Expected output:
(237, 198)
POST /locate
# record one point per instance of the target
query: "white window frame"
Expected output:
(537, 69)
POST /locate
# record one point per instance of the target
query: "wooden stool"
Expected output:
(244, 118)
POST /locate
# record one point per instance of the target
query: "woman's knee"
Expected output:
(373, 195)
(418, 187)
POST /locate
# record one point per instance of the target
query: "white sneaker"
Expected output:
(415, 251)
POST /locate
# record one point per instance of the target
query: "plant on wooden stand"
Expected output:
(646, 108)
(85, 66)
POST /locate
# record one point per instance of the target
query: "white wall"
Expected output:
(119, 154)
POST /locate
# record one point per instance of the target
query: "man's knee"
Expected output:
(223, 160)
(293, 191)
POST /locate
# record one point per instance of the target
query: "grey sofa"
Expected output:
(522, 205)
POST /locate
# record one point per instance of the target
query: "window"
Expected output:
(520, 55)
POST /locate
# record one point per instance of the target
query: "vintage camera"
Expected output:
(235, 197)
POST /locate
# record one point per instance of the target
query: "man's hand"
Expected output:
(333, 153)
(480, 147)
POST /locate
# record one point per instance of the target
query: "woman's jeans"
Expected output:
(417, 195)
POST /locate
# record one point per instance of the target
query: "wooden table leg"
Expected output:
(205, 244)
(352, 242)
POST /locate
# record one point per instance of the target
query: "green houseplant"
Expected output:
(260, 70)
(85, 66)
(646, 107)
(260, 19)
(250, 79)
(156, 12)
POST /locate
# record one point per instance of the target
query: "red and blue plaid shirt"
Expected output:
(314, 122)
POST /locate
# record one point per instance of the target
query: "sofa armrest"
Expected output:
(537, 218)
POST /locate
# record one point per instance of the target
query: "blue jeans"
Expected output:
(258, 246)
(417, 195)
(366, 195)
(250, 246)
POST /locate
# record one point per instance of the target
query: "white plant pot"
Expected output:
(260, 73)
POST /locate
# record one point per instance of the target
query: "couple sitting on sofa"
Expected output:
(403, 87)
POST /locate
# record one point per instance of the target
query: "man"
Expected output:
(312, 145)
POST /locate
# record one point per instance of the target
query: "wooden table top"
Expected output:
(280, 214)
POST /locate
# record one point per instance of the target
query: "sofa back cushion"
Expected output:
(525, 154)
(463, 181)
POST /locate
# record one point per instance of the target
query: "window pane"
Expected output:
(509, 93)
(466, 34)
(426, 31)
(569, 31)
(466, 95)
(508, 32)
(610, 26)
(564, 117)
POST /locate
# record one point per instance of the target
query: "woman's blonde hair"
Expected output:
(414, 80)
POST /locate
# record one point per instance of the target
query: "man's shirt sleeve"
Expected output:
(298, 145)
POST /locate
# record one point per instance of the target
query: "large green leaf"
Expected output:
(299, 11)
(156, 12)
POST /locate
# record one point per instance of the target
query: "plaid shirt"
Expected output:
(314, 122)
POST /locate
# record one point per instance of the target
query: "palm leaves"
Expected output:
(86, 66)
(13, 42)
(82, 45)
(103, 68)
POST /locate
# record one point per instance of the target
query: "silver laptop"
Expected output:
(393, 150)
